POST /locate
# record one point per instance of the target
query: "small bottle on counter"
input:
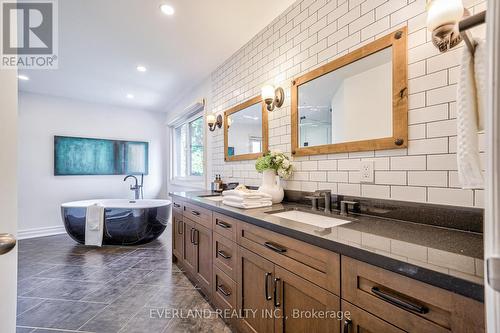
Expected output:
(217, 184)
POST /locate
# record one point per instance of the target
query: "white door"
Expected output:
(8, 199)
(492, 218)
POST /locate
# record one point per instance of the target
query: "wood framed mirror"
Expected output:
(246, 131)
(357, 102)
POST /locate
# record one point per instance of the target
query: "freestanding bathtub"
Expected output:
(126, 222)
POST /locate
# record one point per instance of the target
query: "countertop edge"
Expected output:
(441, 280)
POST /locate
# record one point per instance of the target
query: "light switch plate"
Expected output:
(367, 172)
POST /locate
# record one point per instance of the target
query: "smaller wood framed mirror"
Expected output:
(357, 102)
(246, 131)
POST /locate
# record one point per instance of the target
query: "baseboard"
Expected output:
(40, 232)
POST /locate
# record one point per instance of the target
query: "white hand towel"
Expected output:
(94, 225)
(249, 194)
(470, 108)
(247, 205)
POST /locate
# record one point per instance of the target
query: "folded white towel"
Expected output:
(247, 205)
(470, 108)
(94, 225)
(249, 194)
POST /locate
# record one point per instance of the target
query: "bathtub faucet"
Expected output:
(136, 188)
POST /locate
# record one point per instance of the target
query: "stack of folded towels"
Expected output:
(242, 197)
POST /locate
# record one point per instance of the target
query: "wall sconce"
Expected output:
(214, 122)
(442, 20)
(273, 98)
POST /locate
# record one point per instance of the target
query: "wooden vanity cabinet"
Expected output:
(277, 283)
(177, 235)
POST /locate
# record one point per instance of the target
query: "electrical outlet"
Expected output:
(367, 173)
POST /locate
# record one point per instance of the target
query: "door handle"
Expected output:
(177, 205)
(276, 300)
(347, 325)
(192, 235)
(196, 237)
(266, 286)
(195, 213)
(179, 227)
(7, 243)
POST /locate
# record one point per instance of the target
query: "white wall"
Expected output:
(41, 193)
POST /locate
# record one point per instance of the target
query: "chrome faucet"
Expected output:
(327, 195)
(344, 206)
(136, 188)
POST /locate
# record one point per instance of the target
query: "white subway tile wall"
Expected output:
(313, 32)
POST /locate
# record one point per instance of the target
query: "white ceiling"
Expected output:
(102, 41)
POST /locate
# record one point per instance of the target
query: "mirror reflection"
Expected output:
(244, 134)
(351, 103)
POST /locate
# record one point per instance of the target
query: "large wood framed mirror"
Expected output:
(246, 131)
(355, 103)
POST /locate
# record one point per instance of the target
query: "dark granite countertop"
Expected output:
(446, 258)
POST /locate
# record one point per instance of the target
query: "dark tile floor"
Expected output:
(67, 287)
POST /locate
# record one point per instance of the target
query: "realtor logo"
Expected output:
(29, 32)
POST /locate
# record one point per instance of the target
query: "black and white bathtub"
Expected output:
(126, 222)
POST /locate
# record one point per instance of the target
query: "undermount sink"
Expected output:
(316, 220)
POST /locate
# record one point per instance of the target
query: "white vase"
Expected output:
(271, 185)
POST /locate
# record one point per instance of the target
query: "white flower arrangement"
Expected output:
(277, 161)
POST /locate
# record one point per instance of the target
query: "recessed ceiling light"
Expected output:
(167, 9)
(141, 68)
(23, 77)
(130, 96)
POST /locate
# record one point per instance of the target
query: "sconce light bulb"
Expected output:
(210, 119)
(267, 93)
(442, 12)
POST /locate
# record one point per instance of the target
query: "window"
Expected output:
(188, 149)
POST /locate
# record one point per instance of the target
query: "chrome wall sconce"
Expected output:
(273, 98)
(214, 122)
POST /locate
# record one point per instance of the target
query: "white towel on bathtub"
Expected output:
(94, 225)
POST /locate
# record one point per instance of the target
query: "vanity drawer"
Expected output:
(198, 214)
(319, 266)
(225, 255)
(406, 303)
(225, 226)
(223, 290)
(177, 205)
(361, 321)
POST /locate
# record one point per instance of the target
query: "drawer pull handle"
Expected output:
(347, 325)
(223, 254)
(195, 213)
(223, 224)
(176, 205)
(266, 286)
(276, 287)
(192, 235)
(275, 247)
(179, 227)
(398, 302)
(223, 290)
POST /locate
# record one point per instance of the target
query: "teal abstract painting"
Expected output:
(89, 156)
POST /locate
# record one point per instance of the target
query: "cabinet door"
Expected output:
(202, 240)
(177, 236)
(189, 255)
(360, 321)
(304, 307)
(255, 279)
